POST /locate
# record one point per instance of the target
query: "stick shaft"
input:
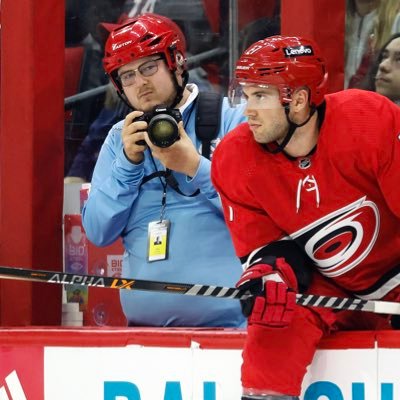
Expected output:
(119, 283)
(382, 307)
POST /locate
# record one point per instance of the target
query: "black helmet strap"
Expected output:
(123, 98)
(292, 127)
(179, 89)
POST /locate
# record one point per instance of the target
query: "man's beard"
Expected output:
(168, 102)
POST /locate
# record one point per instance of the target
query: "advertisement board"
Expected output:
(182, 372)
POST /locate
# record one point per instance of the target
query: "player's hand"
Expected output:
(133, 137)
(181, 156)
(274, 287)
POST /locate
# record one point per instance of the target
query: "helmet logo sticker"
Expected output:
(117, 46)
(304, 163)
(298, 51)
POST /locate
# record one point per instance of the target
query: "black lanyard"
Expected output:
(169, 180)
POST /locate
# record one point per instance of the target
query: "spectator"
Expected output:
(387, 80)
(360, 19)
(383, 76)
(387, 22)
(313, 206)
(145, 59)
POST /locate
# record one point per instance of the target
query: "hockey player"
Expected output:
(310, 191)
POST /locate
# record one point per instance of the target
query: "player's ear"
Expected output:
(300, 99)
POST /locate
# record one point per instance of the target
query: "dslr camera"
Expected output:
(162, 125)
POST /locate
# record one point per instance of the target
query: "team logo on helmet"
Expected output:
(298, 51)
(339, 242)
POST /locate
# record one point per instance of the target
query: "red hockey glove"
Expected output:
(274, 286)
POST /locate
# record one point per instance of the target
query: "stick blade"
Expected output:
(386, 307)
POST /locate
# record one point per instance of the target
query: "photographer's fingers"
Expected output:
(131, 116)
(182, 133)
(150, 145)
(133, 136)
(181, 156)
(131, 125)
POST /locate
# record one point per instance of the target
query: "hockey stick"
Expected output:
(381, 307)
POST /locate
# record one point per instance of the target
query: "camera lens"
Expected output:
(163, 130)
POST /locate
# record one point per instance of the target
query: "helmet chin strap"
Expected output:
(292, 127)
(123, 98)
(179, 89)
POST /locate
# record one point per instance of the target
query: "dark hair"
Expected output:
(369, 81)
(380, 54)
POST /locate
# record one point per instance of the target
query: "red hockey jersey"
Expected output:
(341, 204)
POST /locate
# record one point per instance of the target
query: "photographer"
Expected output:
(150, 182)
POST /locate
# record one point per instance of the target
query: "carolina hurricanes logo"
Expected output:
(341, 240)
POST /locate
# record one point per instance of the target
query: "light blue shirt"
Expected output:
(200, 247)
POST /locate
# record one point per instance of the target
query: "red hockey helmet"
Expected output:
(285, 62)
(144, 36)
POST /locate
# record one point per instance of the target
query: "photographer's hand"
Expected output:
(132, 133)
(182, 156)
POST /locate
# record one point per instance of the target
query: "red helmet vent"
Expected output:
(147, 37)
(270, 71)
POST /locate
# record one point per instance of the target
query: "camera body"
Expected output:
(162, 124)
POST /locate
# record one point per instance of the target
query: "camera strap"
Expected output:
(208, 119)
(169, 180)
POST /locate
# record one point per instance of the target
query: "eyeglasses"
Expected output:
(146, 69)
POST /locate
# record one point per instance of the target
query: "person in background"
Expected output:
(360, 19)
(383, 76)
(387, 79)
(386, 22)
(140, 190)
(309, 187)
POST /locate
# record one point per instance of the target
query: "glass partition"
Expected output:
(216, 32)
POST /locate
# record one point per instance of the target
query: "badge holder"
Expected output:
(158, 236)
